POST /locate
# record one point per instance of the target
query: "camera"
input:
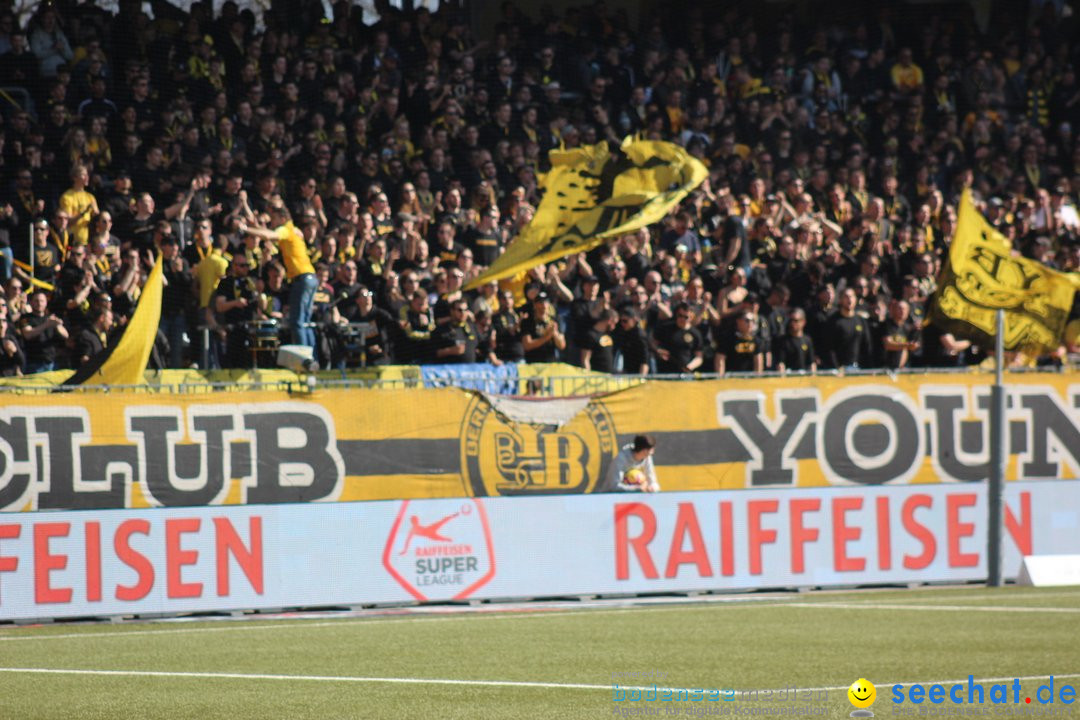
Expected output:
(298, 358)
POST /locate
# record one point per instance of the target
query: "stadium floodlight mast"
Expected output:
(998, 456)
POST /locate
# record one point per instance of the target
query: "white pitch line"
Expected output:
(445, 681)
(944, 608)
(314, 678)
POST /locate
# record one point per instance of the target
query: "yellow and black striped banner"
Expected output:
(127, 449)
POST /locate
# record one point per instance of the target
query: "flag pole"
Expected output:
(998, 456)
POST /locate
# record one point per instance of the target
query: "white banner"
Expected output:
(179, 560)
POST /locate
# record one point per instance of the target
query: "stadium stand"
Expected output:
(409, 153)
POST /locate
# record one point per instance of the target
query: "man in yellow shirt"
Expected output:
(301, 273)
(208, 272)
(80, 205)
(907, 77)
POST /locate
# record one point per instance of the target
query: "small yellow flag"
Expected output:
(592, 194)
(125, 362)
(982, 275)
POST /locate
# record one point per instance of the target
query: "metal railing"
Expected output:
(530, 386)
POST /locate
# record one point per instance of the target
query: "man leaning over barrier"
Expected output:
(633, 469)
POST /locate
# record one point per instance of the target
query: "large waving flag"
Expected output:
(982, 275)
(125, 362)
(592, 194)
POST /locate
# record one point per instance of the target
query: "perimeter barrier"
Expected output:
(182, 560)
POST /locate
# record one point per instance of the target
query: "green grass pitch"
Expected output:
(547, 663)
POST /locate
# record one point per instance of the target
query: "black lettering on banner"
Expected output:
(200, 465)
(772, 452)
(64, 469)
(1048, 417)
(946, 443)
(870, 440)
(14, 449)
(290, 472)
(119, 464)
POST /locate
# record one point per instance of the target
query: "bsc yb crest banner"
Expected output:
(982, 275)
(592, 193)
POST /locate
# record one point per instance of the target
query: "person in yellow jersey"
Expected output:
(80, 205)
(301, 273)
(208, 273)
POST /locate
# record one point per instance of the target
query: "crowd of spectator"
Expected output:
(400, 159)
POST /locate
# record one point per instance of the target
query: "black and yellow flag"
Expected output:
(125, 362)
(982, 275)
(593, 193)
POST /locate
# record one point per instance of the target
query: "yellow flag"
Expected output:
(982, 275)
(592, 194)
(125, 362)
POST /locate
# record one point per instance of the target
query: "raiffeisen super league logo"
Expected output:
(440, 550)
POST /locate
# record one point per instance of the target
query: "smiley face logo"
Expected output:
(862, 694)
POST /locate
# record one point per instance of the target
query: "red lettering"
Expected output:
(687, 524)
(757, 535)
(176, 558)
(45, 563)
(957, 530)
(800, 535)
(639, 544)
(843, 533)
(919, 532)
(250, 559)
(9, 532)
(727, 540)
(1020, 532)
(133, 559)
(884, 534)
(93, 561)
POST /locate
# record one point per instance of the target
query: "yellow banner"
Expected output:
(592, 194)
(983, 275)
(125, 362)
(75, 451)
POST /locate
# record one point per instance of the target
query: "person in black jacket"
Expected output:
(848, 333)
(540, 335)
(94, 339)
(456, 341)
(43, 334)
(631, 343)
(369, 329)
(175, 300)
(12, 358)
(507, 326)
(795, 349)
(597, 346)
(679, 346)
(236, 302)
